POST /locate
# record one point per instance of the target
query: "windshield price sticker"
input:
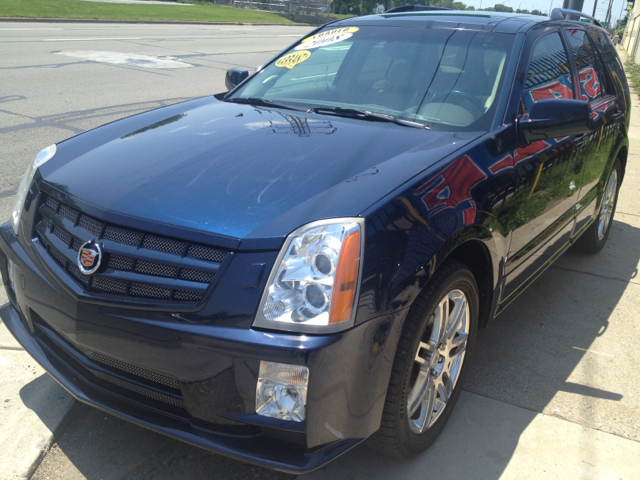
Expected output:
(327, 38)
(292, 59)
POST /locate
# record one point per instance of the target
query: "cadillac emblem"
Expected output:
(89, 257)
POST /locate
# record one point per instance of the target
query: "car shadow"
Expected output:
(525, 358)
(47, 399)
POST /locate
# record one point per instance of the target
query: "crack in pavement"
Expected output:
(631, 214)
(595, 275)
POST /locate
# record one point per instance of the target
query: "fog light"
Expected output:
(12, 274)
(282, 391)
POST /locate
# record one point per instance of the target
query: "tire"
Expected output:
(419, 362)
(594, 237)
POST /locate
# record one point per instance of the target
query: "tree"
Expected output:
(499, 7)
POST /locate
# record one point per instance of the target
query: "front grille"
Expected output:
(62, 235)
(164, 245)
(183, 273)
(120, 262)
(69, 213)
(81, 277)
(102, 284)
(148, 291)
(187, 295)
(155, 268)
(122, 236)
(196, 275)
(90, 225)
(205, 253)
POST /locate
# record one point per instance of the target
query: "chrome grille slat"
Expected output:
(180, 272)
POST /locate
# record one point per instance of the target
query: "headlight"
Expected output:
(312, 287)
(43, 156)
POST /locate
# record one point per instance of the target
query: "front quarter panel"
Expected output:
(411, 231)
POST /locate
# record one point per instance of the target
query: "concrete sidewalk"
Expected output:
(33, 407)
(489, 440)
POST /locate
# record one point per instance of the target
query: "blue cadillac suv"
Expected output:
(282, 271)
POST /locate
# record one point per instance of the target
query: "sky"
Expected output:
(543, 6)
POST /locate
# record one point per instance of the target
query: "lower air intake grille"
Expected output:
(139, 390)
(125, 367)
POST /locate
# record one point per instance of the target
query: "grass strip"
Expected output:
(634, 72)
(78, 9)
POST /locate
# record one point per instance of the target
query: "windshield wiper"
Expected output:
(366, 115)
(259, 102)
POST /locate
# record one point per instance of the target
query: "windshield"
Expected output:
(443, 78)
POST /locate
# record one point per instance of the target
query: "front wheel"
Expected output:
(430, 362)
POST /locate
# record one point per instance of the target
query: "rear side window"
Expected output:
(593, 81)
(548, 75)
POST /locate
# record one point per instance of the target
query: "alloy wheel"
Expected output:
(608, 202)
(438, 362)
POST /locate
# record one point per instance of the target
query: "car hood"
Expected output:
(241, 171)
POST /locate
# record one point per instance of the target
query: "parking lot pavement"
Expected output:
(552, 392)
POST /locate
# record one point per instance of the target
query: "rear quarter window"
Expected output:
(593, 80)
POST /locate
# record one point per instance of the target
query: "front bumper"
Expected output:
(119, 360)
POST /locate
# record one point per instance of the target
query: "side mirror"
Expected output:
(554, 117)
(234, 77)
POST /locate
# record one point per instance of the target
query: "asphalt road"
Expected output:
(564, 352)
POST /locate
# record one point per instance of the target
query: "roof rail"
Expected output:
(415, 8)
(557, 14)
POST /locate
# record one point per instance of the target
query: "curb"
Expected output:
(53, 438)
(151, 22)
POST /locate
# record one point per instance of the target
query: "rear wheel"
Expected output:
(430, 362)
(594, 238)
